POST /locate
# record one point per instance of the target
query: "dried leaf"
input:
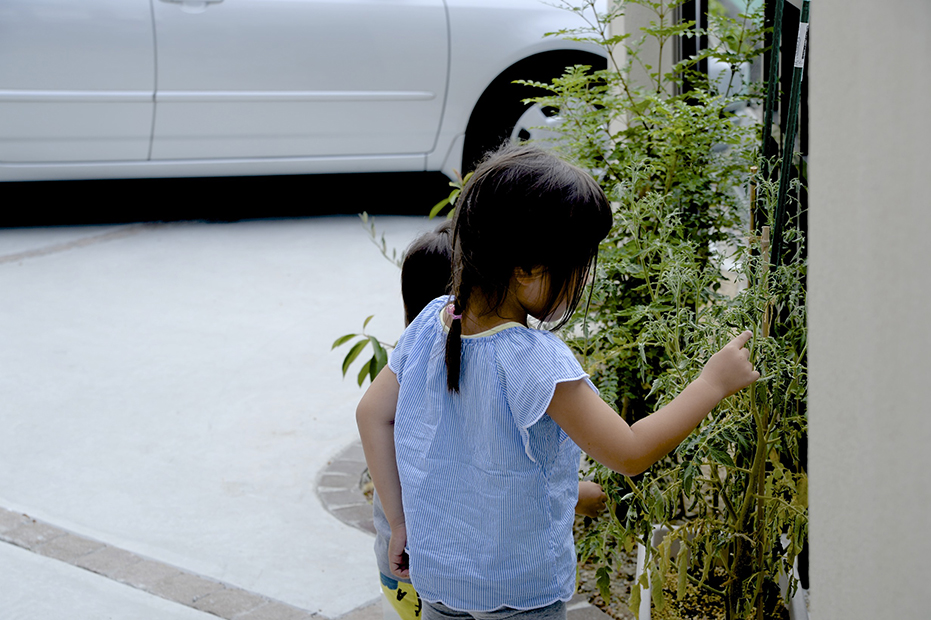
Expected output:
(682, 567)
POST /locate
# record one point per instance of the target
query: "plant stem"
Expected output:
(786, 504)
(760, 525)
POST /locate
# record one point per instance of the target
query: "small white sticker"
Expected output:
(800, 46)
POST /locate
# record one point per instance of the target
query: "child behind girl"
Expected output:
(472, 433)
(425, 273)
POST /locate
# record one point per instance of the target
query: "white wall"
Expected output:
(870, 309)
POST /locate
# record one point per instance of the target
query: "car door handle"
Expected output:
(193, 6)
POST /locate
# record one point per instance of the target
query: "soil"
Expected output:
(621, 581)
(695, 605)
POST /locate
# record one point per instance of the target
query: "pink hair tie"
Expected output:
(452, 313)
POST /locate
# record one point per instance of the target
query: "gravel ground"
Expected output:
(621, 581)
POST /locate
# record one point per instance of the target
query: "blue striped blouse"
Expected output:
(489, 482)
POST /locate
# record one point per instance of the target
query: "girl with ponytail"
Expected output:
(472, 432)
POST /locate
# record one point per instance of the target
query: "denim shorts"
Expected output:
(438, 611)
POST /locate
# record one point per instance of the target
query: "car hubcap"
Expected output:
(538, 124)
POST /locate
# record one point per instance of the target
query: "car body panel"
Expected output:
(148, 88)
(291, 78)
(64, 94)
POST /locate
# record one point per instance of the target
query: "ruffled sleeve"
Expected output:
(529, 370)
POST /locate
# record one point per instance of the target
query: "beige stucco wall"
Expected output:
(870, 309)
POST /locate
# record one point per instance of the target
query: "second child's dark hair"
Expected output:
(425, 270)
(523, 208)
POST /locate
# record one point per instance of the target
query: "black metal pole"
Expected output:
(772, 82)
(791, 129)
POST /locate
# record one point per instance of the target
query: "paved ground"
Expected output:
(176, 440)
(169, 391)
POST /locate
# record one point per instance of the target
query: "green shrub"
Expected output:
(674, 153)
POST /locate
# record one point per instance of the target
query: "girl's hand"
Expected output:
(729, 370)
(591, 499)
(397, 557)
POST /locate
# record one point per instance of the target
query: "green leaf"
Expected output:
(438, 207)
(612, 41)
(688, 477)
(353, 354)
(342, 340)
(634, 602)
(366, 323)
(656, 590)
(720, 456)
(380, 358)
(604, 583)
(365, 370)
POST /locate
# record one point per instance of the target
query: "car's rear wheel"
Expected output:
(537, 123)
(501, 113)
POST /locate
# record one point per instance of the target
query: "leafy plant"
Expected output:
(673, 152)
(373, 365)
(736, 488)
(368, 223)
(450, 201)
(675, 136)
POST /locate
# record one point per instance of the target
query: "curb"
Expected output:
(157, 578)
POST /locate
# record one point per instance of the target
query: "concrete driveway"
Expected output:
(168, 399)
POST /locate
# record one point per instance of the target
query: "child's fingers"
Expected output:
(741, 339)
(730, 369)
(397, 557)
(400, 567)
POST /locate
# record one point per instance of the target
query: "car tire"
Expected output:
(501, 114)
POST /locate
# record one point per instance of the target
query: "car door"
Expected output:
(77, 80)
(298, 78)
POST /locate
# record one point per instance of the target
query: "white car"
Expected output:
(93, 89)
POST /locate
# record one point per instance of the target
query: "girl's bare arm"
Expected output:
(630, 450)
(375, 417)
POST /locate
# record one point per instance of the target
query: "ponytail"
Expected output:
(454, 348)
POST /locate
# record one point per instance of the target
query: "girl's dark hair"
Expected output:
(523, 208)
(425, 270)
